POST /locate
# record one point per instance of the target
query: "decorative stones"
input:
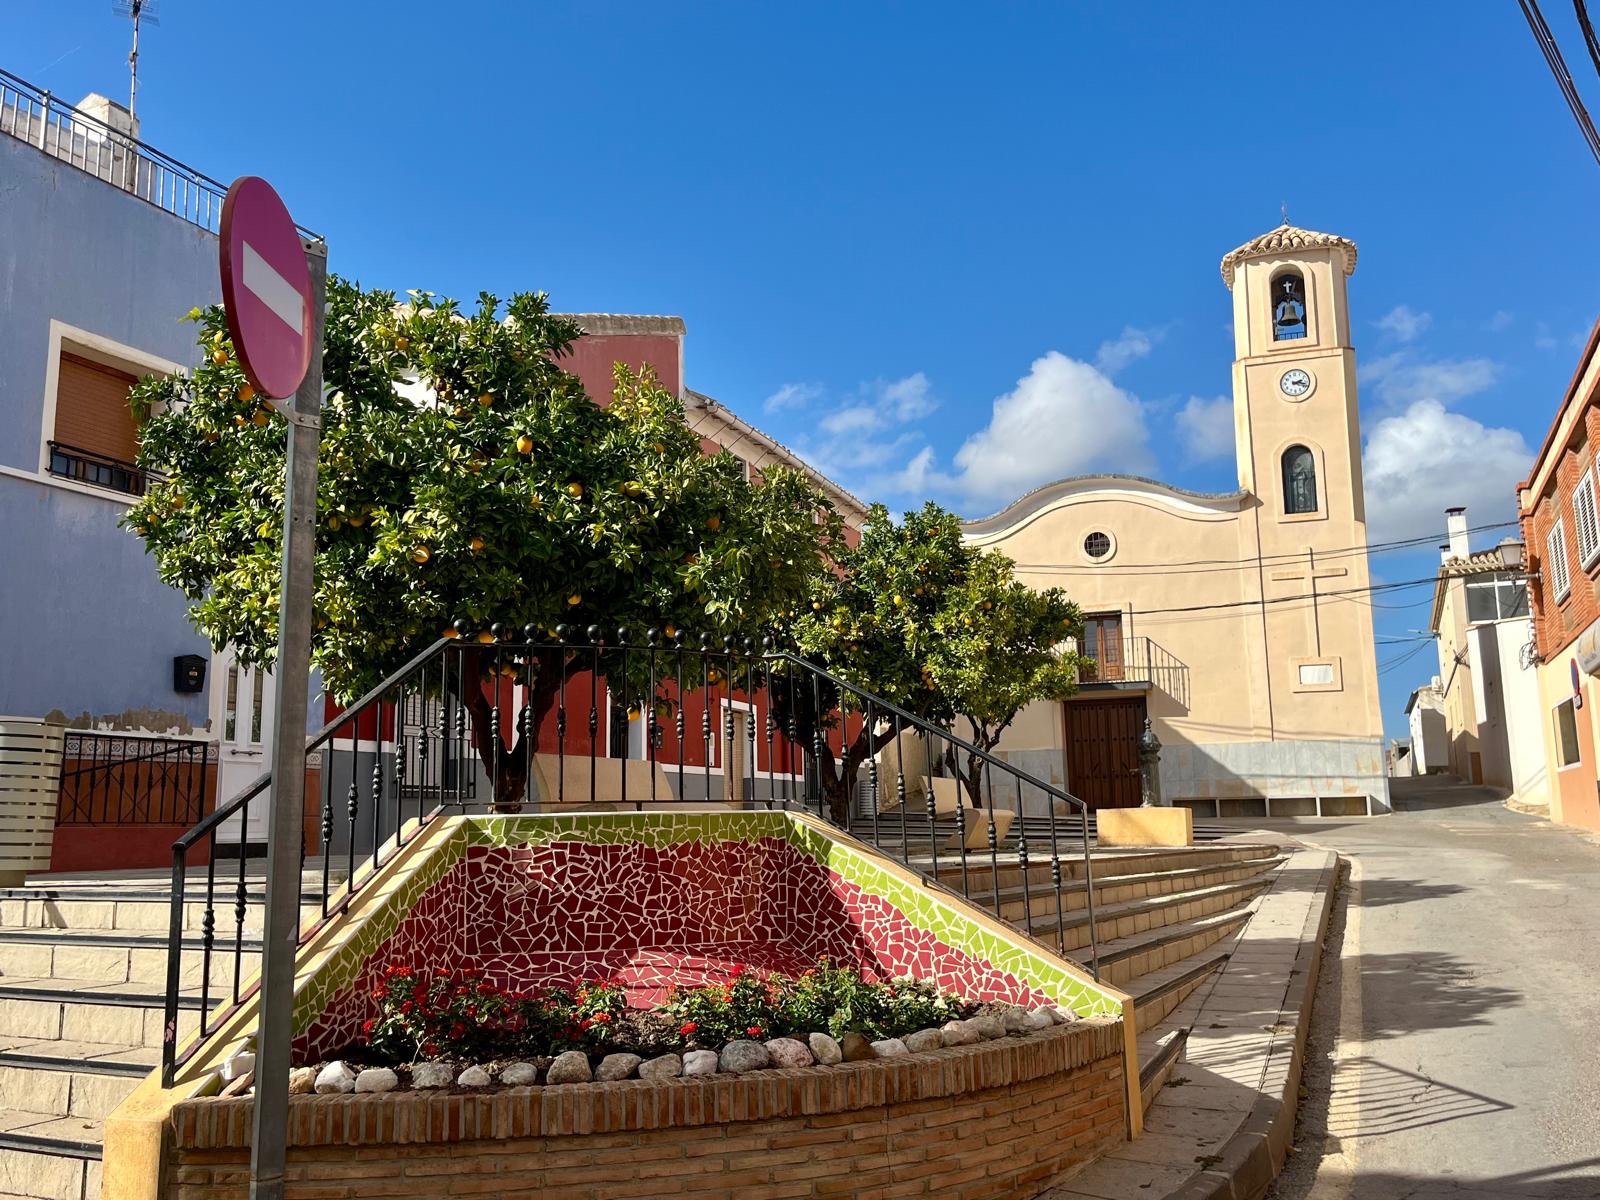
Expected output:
(1040, 1018)
(520, 1074)
(789, 1053)
(473, 1077)
(988, 1028)
(668, 1066)
(700, 1062)
(824, 1049)
(1015, 1020)
(958, 1033)
(923, 1040)
(890, 1048)
(1062, 1016)
(302, 1080)
(432, 1075)
(741, 1056)
(616, 1066)
(856, 1048)
(571, 1067)
(335, 1079)
(377, 1079)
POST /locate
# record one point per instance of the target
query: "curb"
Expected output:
(1251, 1159)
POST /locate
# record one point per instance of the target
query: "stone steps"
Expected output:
(1154, 912)
(56, 1158)
(119, 956)
(1038, 902)
(1106, 865)
(88, 1011)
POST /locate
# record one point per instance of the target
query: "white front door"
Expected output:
(241, 713)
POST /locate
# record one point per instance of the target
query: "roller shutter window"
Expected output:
(92, 409)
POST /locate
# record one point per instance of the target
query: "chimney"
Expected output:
(1455, 520)
(1444, 553)
(108, 113)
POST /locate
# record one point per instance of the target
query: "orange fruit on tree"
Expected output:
(574, 600)
(261, 417)
(247, 393)
(450, 631)
(420, 554)
(524, 444)
(219, 357)
(485, 399)
(402, 343)
(485, 637)
(714, 523)
(574, 489)
(476, 544)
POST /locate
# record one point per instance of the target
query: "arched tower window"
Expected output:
(1288, 307)
(1299, 480)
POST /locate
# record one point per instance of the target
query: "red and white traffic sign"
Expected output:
(266, 288)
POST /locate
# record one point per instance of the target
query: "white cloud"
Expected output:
(1064, 417)
(1427, 459)
(1402, 378)
(792, 395)
(908, 398)
(1404, 323)
(858, 418)
(1206, 427)
(1543, 338)
(1500, 322)
(1129, 346)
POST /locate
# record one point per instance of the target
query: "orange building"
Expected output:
(1561, 530)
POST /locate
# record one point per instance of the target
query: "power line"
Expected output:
(1588, 32)
(1287, 558)
(1558, 67)
(1266, 600)
(1400, 660)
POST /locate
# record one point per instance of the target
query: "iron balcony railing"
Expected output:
(88, 466)
(31, 114)
(112, 778)
(723, 722)
(1138, 660)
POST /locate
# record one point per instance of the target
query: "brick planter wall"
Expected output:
(996, 1120)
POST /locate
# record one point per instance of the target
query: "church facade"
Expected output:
(1239, 623)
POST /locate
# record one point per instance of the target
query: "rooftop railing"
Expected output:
(31, 114)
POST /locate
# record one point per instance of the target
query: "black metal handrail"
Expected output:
(418, 744)
(112, 777)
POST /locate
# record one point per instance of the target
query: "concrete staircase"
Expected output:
(83, 965)
(1166, 919)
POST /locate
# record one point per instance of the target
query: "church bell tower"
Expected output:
(1298, 438)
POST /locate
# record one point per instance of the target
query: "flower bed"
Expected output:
(430, 1021)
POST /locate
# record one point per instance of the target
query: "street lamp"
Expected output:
(1150, 768)
(1512, 554)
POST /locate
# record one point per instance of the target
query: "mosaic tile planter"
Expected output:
(994, 1121)
(652, 900)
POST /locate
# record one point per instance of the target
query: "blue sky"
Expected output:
(880, 219)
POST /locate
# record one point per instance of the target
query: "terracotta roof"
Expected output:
(1287, 238)
(1483, 562)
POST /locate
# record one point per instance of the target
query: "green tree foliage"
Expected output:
(463, 477)
(924, 620)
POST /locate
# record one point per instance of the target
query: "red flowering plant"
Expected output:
(458, 1013)
(742, 1006)
(838, 1000)
(598, 1008)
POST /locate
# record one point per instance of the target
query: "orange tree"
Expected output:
(464, 479)
(918, 617)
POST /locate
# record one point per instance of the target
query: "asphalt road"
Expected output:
(1454, 1051)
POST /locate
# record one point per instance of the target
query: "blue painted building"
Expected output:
(95, 275)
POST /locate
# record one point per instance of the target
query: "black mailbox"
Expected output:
(188, 673)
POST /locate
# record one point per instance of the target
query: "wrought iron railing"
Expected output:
(31, 114)
(1139, 660)
(707, 721)
(87, 466)
(112, 778)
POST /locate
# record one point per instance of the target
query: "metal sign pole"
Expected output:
(282, 935)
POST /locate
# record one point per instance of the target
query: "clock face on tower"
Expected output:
(1295, 383)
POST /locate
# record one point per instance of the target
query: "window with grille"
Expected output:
(1584, 522)
(1556, 561)
(1299, 480)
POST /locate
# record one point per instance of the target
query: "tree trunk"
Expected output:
(506, 766)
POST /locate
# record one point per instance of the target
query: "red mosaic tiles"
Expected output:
(651, 918)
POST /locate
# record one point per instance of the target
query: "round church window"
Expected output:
(1097, 545)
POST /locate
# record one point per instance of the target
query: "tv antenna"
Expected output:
(137, 10)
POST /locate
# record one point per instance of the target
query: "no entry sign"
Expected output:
(266, 288)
